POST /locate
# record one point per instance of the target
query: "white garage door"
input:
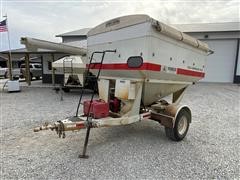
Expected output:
(220, 65)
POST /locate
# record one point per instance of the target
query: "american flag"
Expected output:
(3, 26)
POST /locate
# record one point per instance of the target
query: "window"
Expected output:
(135, 61)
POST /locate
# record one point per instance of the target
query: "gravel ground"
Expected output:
(138, 151)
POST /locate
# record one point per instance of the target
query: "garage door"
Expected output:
(220, 65)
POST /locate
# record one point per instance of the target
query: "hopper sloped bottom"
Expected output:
(152, 92)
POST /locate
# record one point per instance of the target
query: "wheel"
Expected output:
(181, 126)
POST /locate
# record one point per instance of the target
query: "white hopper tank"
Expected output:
(146, 49)
(70, 62)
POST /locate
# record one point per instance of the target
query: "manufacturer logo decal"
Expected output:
(169, 69)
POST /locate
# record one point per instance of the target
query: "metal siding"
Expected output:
(208, 27)
(68, 39)
(238, 62)
(215, 35)
(220, 65)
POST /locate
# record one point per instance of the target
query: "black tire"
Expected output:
(173, 133)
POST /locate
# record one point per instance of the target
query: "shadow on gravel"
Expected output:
(138, 133)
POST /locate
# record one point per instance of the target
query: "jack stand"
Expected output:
(83, 155)
(61, 92)
(57, 89)
(61, 95)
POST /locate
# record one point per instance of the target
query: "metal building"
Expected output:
(223, 39)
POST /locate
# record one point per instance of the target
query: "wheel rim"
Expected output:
(182, 125)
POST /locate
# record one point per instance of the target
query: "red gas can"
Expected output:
(99, 108)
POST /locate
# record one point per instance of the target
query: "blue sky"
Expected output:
(45, 18)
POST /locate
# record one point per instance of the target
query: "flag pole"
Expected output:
(10, 52)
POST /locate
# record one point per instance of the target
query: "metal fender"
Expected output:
(180, 108)
(168, 116)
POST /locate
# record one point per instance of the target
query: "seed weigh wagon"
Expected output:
(137, 61)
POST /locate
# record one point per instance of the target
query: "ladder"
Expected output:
(65, 67)
(67, 71)
(88, 120)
